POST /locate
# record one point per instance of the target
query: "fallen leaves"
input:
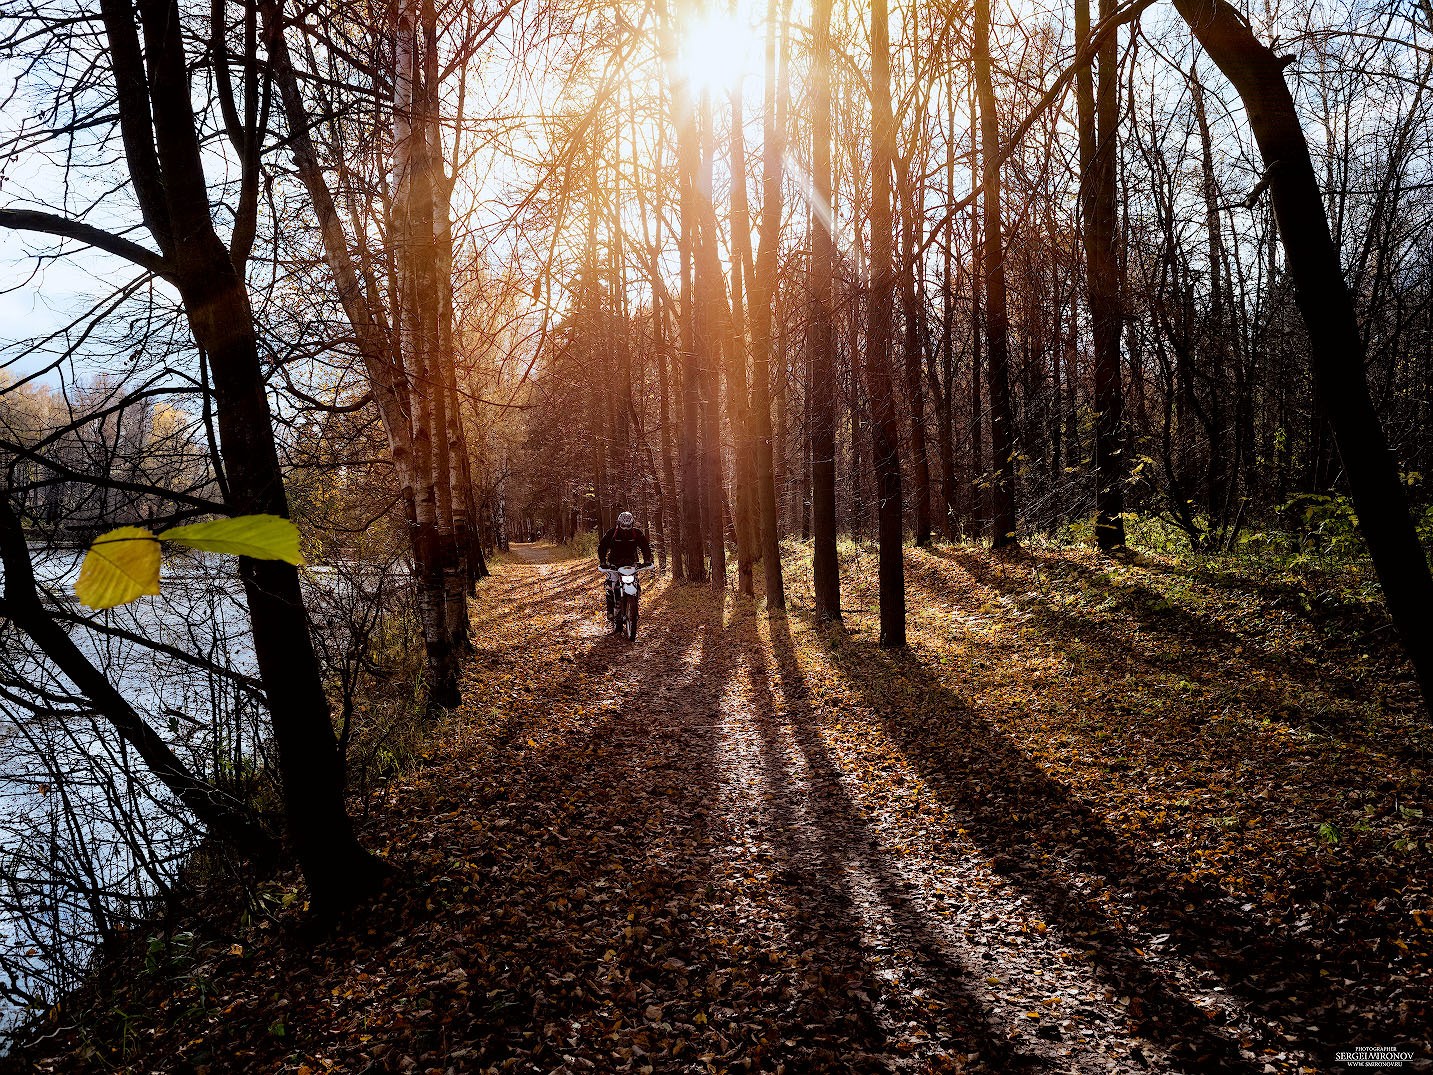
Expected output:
(1079, 825)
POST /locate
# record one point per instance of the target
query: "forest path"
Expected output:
(719, 856)
(1077, 827)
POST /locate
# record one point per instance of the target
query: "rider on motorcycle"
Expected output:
(620, 547)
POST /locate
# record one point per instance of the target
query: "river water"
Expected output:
(85, 836)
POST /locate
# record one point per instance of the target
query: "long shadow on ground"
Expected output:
(1178, 637)
(589, 853)
(1058, 851)
(823, 839)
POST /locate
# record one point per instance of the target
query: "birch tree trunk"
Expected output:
(412, 239)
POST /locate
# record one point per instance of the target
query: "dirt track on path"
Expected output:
(816, 905)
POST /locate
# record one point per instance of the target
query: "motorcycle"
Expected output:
(626, 588)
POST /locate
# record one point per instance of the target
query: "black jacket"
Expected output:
(621, 548)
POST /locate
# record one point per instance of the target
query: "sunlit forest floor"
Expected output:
(1102, 816)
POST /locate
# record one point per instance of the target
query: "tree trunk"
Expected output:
(662, 340)
(885, 434)
(1336, 349)
(997, 316)
(763, 303)
(781, 433)
(457, 577)
(435, 276)
(167, 173)
(976, 488)
(692, 491)
(1099, 118)
(821, 428)
(413, 232)
(664, 419)
(945, 428)
(857, 513)
(914, 352)
(738, 398)
(707, 286)
(1220, 484)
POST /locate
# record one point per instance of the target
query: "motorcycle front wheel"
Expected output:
(631, 607)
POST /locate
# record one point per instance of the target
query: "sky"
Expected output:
(37, 298)
(31, 307)
(45, 302)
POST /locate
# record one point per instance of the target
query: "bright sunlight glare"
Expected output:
(718, 49)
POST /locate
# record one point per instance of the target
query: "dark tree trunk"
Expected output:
(997, 316)
(738, 391)
(763, 302)
(977, 494)
(1336, 349)
(707, 285)
(664, 353)
(689, 455)
(945, 431)
(166, 169)
(664, 419)
(857, 513)
(914, 355)
(821, 429)
(885, 434)
(1215, 336)
(336, 868)
(1099, 118)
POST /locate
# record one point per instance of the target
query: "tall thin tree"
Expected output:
(885, 435)
(997, 314)
(1336, 348)
(1098, 105)
(821, 331)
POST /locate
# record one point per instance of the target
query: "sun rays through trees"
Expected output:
(829, 295)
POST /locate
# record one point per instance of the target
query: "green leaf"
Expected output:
(262, 537)
(1330, 835)
(120, 566)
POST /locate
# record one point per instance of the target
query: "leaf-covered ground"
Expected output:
(1100, 817)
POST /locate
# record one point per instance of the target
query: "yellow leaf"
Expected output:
(120, 566)
(262, 537)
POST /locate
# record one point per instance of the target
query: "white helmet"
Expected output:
(625, 520)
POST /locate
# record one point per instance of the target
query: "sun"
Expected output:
(718, 49)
